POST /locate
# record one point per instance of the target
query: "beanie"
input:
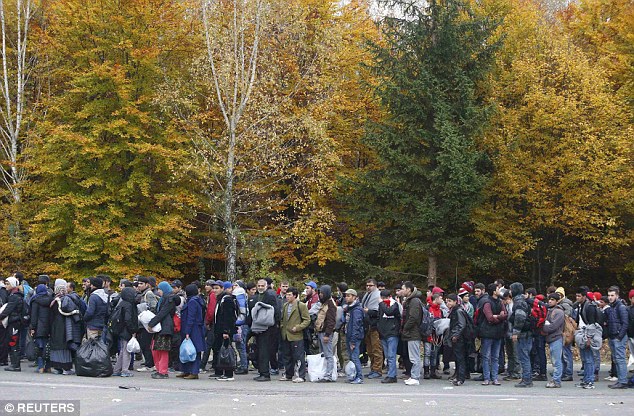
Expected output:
(468, 286)
(96, 282)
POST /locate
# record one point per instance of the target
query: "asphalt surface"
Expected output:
(174, 396)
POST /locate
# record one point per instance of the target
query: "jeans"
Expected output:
(587, 357)
(490, 351)
(328, 351)
(556, 359)
(429, 356)
(617, 347)
(413, 349)
(354, 352)
(242, 348)
(524, 346)
(597, 361)
(567, 361)
(389, 349)
(292, 352)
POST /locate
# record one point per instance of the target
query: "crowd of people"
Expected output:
(496, 333)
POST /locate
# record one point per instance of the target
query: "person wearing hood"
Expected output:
(325, 329)
(162, 341)
(97, 312)
(63, 312)
(412, 315)
(354, 332)
(14, 312)
(193, 328)
(125, 328)
(40, 325)
(522, 333)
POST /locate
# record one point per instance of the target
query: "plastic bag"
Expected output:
(317, 367)
(93, 360)
(227, 358)
(145, 318)
(133, 346)
(5, 321)
(187, 352)
(351, 371)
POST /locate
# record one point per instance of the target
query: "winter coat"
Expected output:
(556, 321)
(41, 316)
(520, 317)
(617, 320)
(326, 318)
(96, 315)
(457, 323)
(492, 318)
(14, 309)
(193, 322)
(226, 315)
(66, 329)
(412, 315)
(566, 305)
(354, 323)
(211, 309)
(128, 313)
(299, 319)
(630, 327)
(587, 311)
(592, 332)
(389, 324)
(165, 314)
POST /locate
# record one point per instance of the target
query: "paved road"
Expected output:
(174, 396)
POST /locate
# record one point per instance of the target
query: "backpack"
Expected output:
(570, 326)
(426, 325)
(116, 320)
(538, 314)
(469, 333)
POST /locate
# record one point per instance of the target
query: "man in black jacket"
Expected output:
(587, 314)
(458, 323)
(265, 339)
(617, 335)
(14, 312)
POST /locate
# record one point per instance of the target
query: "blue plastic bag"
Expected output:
(188, 351)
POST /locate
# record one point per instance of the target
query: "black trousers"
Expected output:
(275, 346)
(145, 340)
(293, 351)
(4, 345)
(265, 342)
(460, 353)
(404, 353)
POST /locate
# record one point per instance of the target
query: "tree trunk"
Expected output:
(432, 269)
(230, 226)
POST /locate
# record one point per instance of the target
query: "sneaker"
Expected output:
(262, 378)
(540, 377)
(225, 378)
(144, 368)
(116, 374)
(341, 374)
(610, 378)
(283, 378)
(214, 376)
(589, 386)
(159, 376)
(242, 371)
(524, 384)
(356, 381)
(457, 383)
(412, 382)
(618, 386)
(298, 380)
(511, 378)
(388, 380)
(325, 380)
(581, 384)
(68, 372)
(566, 378)
(127, 375)
(202, 371)
(373, 375)
(274, 372)
(553, 385)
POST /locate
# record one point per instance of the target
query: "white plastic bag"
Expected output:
(133, 346)
(351, 371)
(5, 321)
(317, 367)
(145, 317)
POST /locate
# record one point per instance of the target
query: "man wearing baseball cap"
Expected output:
(354, 332)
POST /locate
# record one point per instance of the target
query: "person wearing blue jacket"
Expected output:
(193, 328)
(97, 313)
(617, 335)
(354, 332)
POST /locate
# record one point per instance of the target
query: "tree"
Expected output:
(429, 174)
(110, 180)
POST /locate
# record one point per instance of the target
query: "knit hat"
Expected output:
(97, 282)
(597, 296)
(191, 290)
(590, 295)
(631, 294)
(60, 286)
(12, 281)
(165, 287)
(561, 292)
(463, 292)
(468, 286)
(41, 290)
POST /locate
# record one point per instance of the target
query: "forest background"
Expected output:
(436, 141)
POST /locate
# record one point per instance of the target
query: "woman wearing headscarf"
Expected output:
(41, 324)
(62, 339)
(162, 341)
(193, 328)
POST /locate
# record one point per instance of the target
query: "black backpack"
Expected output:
(116, 320)
(426, 325)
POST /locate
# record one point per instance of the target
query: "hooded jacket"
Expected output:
(128, 313)
(327, 315)
(193, 322)
(165, 313)
(520, 314)
(617, 318)
(354, 323)
(14, 309)
(41, 315)
(97, 313)
(225, 315)
(555, 328)
(371, 301)
(412, 315)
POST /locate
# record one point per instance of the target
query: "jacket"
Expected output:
(457, 322)
(298, 319)
(193, 322)
(165, 314)
(566, 305)
(129, 316)
(412, 315)
(14, 309)
(553, 328)
(492, 319)
(41, 316)
(617, 317)
(149, 298)
(97, 313)
(326, 318)
(268, 297)
(630, 326)
(225, 315)
(354, 323)
(389, 324)
(520, 317)
(211, 309)
(587, 311)
(371, 301)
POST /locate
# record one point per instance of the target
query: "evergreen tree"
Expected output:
(429, 175)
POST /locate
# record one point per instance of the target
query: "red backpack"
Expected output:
(539, 311)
